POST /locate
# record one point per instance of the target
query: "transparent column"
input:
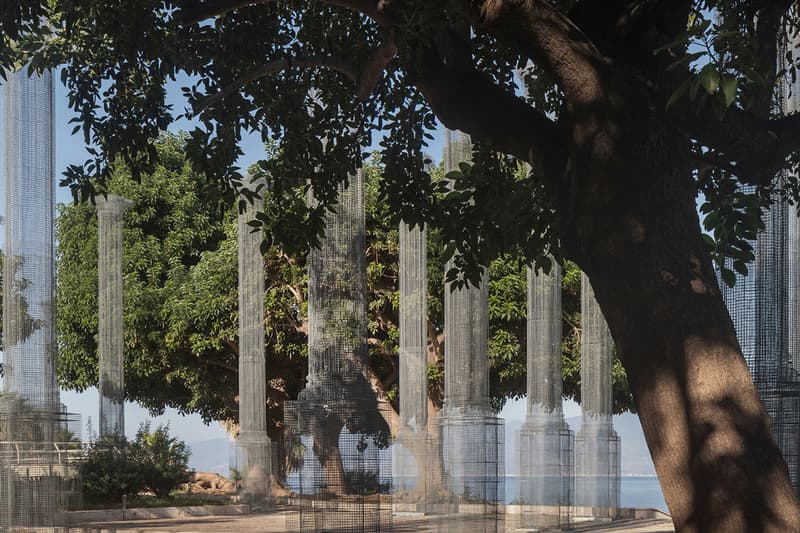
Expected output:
(413, 460)
(110, 215)
(597, 446)
(546, 443)
(337, 430)
(28, 307)
(31, 480)
(413, 329)
(253, 451)
(472, 437)
(337, 300)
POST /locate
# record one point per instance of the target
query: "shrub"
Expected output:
(364, 482)
(163, 460)
(110, 471)
(153, 461)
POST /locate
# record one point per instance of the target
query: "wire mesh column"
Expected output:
(765, 310)
(110, 214)
(32, 480)
(546, 442)
(338, 441)
(252, 449)
(597, 446)
(414, 461)
(472, 437)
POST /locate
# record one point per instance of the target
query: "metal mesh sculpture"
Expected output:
(546, 442)
(32, 478)
(597, 446)
(472, 437)
(252, 450)
(766, 326)
(338, 440)
(417, 469)
(765, 310)
(110, 211)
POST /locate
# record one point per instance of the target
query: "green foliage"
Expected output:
(180, 283)
(114, 467)
(163, 460)
(181, 322)
(110, 471)
(364, 483)
(118, 57)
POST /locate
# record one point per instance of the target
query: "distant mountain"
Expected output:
(210, 456)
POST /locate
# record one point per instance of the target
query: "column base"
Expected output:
(547, 472)
(597, 468)
(473, 455)
(340, 474)
(252, 467)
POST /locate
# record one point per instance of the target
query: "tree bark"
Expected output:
(633, 228)
(326, 448)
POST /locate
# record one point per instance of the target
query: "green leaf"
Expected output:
(688, 58)
(709, 79)
(677, 93)
(740, 267)
(728, 277)
(728, 87)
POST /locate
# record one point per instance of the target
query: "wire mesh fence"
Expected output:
(39, 468)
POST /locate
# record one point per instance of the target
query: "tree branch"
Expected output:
(372, 70)
(470, 101)
(631, 28)
(754, 148)
(551, 40)
(272, 67)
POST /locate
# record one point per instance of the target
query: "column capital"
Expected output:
(112, 203)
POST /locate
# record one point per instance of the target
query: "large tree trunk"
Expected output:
(326, 449)
(633, 228)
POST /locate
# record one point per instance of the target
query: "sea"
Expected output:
(635, 492)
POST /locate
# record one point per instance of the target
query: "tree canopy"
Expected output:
(181, 317)
(634, 109)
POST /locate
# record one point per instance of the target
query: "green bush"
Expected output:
(110, 471)
(114, 466)
(364, 482)
(164, 460)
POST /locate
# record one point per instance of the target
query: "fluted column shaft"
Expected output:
(544, 342)
(597, 452)
(413, 328)
(252, 361)
(466, 320)
(110, 216)
(596, 357)
(337, 306)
